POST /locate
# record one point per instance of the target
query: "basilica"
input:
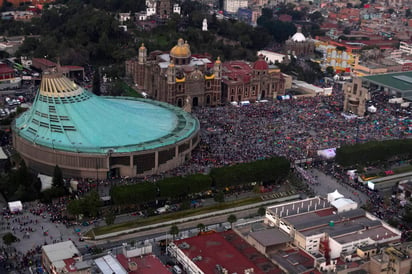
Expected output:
(179, 77)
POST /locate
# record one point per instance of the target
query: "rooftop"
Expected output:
(147, 264)
(227, 250)
(294, 261)
(237, 71)
(58, 252)
(300, 206)
(66, 117)
(377, 233)
(269, 237)
(401, 81)
(109, 265)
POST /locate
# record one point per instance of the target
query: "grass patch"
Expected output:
(129, 91)
(396, 171)
(402, 169)
(171, 216)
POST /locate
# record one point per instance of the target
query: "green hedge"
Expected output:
(374, 152)
(133, 194)
(274, 169)
(175, 187)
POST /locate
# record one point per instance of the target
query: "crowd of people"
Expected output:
(295, 129)
(13, 260)
(385, 209)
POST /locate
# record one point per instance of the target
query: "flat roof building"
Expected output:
(63, 257)
(220, 252)
(398, 84)
(318, 227)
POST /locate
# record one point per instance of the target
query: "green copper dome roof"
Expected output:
(66, 117)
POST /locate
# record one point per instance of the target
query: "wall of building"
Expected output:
(355, 97)
(97, 166)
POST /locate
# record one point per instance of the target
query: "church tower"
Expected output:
(141, 63)
(164, 9)
(142, 54)
(217, 69)
(171, 80)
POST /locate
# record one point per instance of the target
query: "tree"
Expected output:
(219, 197)
(201, 227)
(231, 219)
(110, 218)
(57, 180)
(261, 211)
(74, 207)
(22, 175)
(174, 231)
(96, 82)
(341, 48)
(91, 204)
(408, 13)
(9, 238)
(330, 71)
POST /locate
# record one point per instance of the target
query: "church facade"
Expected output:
(299, 45)
(180, 78)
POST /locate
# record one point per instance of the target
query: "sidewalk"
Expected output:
(132, 232)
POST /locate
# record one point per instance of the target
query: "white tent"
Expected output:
(334, 196)
(351, 173)
(405, 104)
(3, 155)
(327, 153)
(15, 206)
(46, 181)
(372, 109)
(344, 204)
(74, 184)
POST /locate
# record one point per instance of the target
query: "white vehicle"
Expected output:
(162, 210)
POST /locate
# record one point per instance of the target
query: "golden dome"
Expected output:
(218, 60)
(142, 46)
(181, 50)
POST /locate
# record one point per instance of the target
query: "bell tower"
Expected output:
(217, 69)
(141, 63)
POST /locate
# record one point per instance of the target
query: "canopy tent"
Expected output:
(352, 173)
(15, 206)
(327, 153)
(46, 181)
(372, 109)
(334, 196)
(344, 204)
(73, 185)
(405, 104)
(3, 155)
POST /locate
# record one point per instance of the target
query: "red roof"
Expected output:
(5, 69)
(237, 71)
(260, 64)
(70, 264)
(72, 67)
(147, 264)
(45, 62)
(215, 249)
